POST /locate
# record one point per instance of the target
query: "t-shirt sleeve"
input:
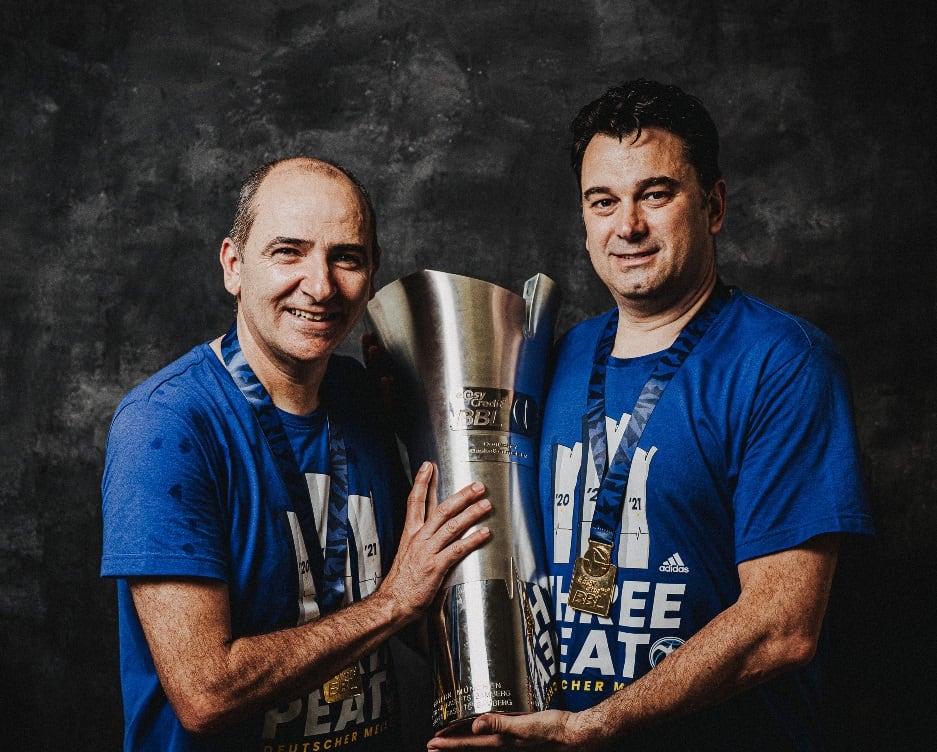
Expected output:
(161, 499)
(800, 474)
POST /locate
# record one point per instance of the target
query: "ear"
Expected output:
(716, 206)
(231, 266)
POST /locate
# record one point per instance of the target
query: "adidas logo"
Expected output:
(674, 564)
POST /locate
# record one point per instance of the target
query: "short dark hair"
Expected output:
(246, 210)
(627, 109)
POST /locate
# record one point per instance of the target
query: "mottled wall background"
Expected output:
(126, 126)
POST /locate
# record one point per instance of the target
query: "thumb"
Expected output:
(491, 723)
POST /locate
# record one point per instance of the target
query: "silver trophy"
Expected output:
(469, 362)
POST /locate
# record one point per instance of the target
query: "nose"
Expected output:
(317, 281)
(630, 222)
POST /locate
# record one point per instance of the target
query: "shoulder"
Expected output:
(770, 360)
(756, 330)
(753, 317)
(572, 364)
(176, 379)
(184, 389)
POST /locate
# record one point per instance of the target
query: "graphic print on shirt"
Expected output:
(367, 546)
(363, 555)
(571, 536)
(601, 655)
(354, 720)
(308, 606)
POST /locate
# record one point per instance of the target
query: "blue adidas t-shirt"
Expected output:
(191, 489)
(751, 450)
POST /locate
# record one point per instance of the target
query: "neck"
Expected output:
(642, 333)
(293, 389)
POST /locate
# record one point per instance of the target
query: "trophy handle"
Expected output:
(542, 299)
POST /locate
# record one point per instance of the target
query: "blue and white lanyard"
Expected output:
(613, 480)
(328, 568)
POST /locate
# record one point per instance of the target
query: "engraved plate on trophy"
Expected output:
(470, 360)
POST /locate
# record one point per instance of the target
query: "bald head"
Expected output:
(247, 205)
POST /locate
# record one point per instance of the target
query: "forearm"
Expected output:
(719, 662)
(255, 673)
(212, 679)
(772, 628)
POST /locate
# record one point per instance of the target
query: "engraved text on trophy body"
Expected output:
(474, 408)
(480, 686)
(501, 424)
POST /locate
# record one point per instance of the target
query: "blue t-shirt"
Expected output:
(191, 489)
(751, 450)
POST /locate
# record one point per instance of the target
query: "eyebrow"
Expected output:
(281, 240)
(643, 185)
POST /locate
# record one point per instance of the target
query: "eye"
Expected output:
(284, 251)
(350, 259)
(602, 205)
(658, 197)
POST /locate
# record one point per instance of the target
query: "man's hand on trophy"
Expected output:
(379, 369)
(434, 539)
(547, 731)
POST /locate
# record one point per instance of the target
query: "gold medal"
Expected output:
(593, 580)
(343, 686)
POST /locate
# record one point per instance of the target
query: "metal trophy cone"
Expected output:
(470, 360)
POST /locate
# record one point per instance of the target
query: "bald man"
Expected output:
(247, 501)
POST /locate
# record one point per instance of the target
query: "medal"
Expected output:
(343, 686)
(593, 582)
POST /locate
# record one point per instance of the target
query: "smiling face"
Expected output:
(305, 274)
(649, 226)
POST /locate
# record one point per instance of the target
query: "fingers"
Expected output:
(480, 737)
(530, 731)
(454, 543)
(449, 513)
(416, 499)
(378, 366)
(433, 543)
(370, 347)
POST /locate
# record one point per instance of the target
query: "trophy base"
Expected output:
(484, 666)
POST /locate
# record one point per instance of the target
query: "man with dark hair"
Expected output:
(627, 110)
(248, 492)
(699, 466)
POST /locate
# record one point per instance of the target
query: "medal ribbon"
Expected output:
(613, 479)
(328, 568)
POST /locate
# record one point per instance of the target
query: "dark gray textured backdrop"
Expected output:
(126, 126)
